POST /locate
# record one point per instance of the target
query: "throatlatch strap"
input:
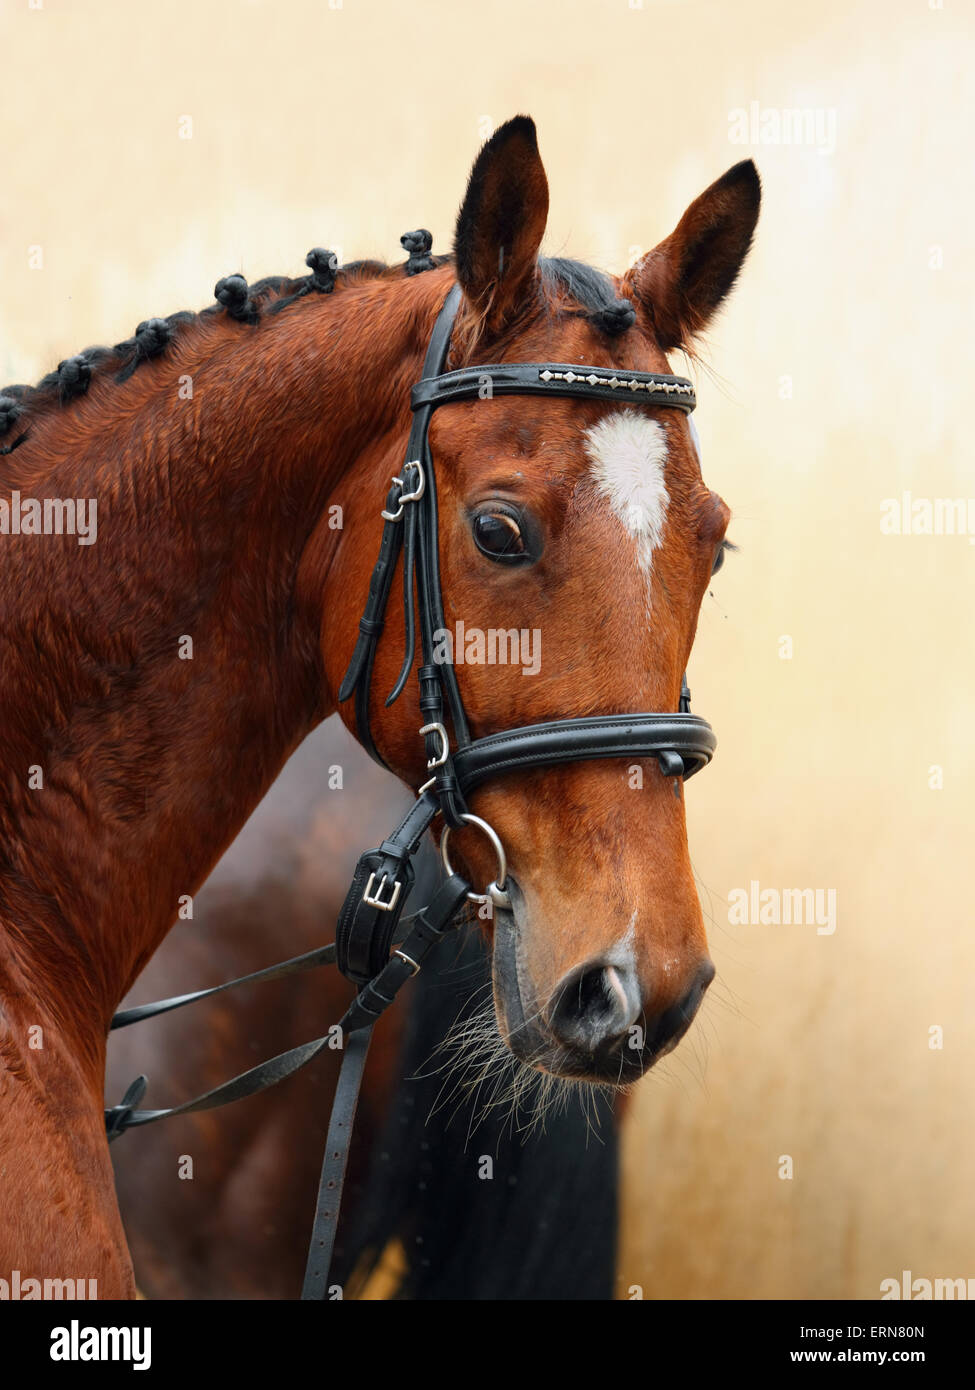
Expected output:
(358, 678)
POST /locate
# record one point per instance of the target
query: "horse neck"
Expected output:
(152, 752)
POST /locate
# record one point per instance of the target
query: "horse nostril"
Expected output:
(594, 1005)
(667, 1029)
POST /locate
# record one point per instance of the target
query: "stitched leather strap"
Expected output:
(122, 1117)
(358, 678)
(322, 955)
(428, 931)
(684, 743)
(554, 379)
(410, 525)
(365, 929)
(337, 1144)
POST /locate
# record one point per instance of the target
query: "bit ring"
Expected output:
(494, 892)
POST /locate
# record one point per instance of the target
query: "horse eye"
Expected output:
(719, 558)
(498, 535)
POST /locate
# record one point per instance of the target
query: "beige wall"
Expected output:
(346, 127)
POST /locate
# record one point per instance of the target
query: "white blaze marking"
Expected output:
(627, 452)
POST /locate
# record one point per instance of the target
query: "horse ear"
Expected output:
(684, 279)
(500, 226)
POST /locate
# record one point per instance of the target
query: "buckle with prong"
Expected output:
(404, 497)
(376, 899)
(444, 753)
(414, 965)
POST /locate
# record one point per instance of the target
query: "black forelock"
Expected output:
(592, 289)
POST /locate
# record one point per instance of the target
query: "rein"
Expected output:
(375, 946)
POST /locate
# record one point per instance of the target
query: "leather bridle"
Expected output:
(371, 923)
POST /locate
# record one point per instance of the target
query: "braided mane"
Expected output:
(590, 288)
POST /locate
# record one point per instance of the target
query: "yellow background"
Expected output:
(344, 127)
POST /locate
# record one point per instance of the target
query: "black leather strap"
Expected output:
(554, 379)
(432, 617)
(410, 524)
(125, 1115)
(322, 955)
(429, 929)
(122, 1117)
(438, 679)
(365, 929)
(686, 736)
(358, 678)
(337, 1144)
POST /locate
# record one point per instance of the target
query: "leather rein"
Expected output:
(375, 946)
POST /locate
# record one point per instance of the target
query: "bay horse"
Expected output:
(222, 470)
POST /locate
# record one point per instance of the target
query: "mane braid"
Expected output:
(589, 288)
(22, 403)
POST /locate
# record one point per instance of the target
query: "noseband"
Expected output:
(370, 923)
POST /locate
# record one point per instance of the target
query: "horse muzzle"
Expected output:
(596, 1024)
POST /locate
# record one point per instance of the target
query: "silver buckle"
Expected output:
(409, 961)
(375, 900)
(421, 482)
(404, 497)
(444, 746)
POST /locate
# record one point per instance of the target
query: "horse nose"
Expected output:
(594, 1005)
(665, 1029)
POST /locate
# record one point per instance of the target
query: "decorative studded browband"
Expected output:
(552, 379)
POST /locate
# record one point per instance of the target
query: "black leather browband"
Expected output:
(554, 379)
